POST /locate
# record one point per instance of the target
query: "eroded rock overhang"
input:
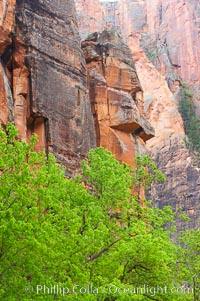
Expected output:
(115, 92)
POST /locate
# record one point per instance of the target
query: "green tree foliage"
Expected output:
(86, 238)
(146, 172)
(191, 122)
(190, 264)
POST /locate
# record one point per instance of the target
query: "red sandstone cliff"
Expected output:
(43, 78)
(167, 30)
(44, 86)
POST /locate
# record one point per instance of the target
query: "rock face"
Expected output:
(114, 93)
(159, 105)
(177, 42)
(90, 15)
(169, 33)
(47, 73)
(182, 188)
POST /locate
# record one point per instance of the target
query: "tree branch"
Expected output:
(135, 266)
(96, 255)
(123, 275)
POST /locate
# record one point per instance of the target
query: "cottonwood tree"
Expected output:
(189, 261)
(86, 238)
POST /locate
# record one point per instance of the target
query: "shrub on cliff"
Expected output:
(86, 238)
(191, 122)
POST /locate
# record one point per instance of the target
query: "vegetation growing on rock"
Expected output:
(191, 122)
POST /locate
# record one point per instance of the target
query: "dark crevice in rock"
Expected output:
(5, 57)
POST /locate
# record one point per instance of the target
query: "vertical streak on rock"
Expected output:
(7, 9)
(20, 88)
(6, 100)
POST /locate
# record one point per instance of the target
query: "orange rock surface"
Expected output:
(20, 89)
(114, 94)
(159, 104)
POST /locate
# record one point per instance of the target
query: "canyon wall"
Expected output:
(42, 64)
(133, 20)
(45, 89)
(168, 31)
